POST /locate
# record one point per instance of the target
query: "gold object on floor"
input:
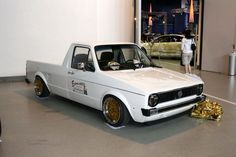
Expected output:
(208, 110)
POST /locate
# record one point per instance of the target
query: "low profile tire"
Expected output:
(115, 112)
(40, 87)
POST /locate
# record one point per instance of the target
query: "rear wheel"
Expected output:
(40, 87)
(115, 112)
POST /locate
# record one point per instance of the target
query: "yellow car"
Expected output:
(166, 46)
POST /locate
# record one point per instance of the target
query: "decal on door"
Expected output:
(79, 87)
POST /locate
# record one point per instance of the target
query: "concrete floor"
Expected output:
(56, 127)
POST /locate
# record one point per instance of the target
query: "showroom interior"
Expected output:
(55, 126)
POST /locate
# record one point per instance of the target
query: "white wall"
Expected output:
(115, 20)
(43, 29)
(218, 34)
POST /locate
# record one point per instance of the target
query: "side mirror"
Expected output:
(85, 66)
(81, 66)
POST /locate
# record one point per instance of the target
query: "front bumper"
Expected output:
(154, 111)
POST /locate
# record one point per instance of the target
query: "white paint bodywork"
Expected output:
(132, 87)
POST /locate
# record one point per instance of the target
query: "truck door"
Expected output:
(80, 73)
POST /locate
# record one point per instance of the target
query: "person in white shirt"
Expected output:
(187, 52)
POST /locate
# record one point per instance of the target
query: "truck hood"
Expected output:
(152, 80)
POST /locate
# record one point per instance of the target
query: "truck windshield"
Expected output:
(121, 57)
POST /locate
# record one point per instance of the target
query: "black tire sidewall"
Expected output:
(124, 113)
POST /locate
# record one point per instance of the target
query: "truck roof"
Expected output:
(93, 44)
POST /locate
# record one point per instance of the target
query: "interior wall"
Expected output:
(115, 20)
(219, 28)
(43, 30)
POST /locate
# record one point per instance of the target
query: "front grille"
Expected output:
(198, 99)
(178, 93)
(152, 111)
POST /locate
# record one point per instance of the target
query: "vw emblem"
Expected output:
(180, 94)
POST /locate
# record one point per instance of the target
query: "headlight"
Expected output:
(153, 100)
(199, 89)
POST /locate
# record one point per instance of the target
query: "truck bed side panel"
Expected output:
(55, 76)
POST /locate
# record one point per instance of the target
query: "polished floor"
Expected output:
(56, 127)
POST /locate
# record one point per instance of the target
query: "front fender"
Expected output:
(121, 97)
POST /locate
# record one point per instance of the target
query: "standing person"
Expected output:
(187, 52)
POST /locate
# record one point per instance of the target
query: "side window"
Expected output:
(168, 39)
(80, 56)
(173, 39)
(160, 39)
(164, 39)
(179, 39)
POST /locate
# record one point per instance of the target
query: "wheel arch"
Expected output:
(121, 97)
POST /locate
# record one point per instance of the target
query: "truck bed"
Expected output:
(32, 67)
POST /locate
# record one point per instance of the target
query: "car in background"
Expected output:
(165, 46)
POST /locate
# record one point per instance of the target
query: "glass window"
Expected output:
(176, 38)
(121, 57)
(81, 55)
(164, 39)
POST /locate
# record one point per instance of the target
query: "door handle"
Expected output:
(71, 72)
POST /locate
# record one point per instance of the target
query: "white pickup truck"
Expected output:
(119, 80)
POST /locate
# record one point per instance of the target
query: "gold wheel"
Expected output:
(112, 110)
(38, 86)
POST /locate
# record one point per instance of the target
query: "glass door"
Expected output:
(161, 24)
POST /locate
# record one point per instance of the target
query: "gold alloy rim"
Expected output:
(112, 110)
(38, 86)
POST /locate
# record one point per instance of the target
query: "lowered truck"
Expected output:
(118, 79)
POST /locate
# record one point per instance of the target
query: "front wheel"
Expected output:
(115, 112)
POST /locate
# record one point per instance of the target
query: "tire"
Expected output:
(115, 112)
(27, 80)
(40, 88)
